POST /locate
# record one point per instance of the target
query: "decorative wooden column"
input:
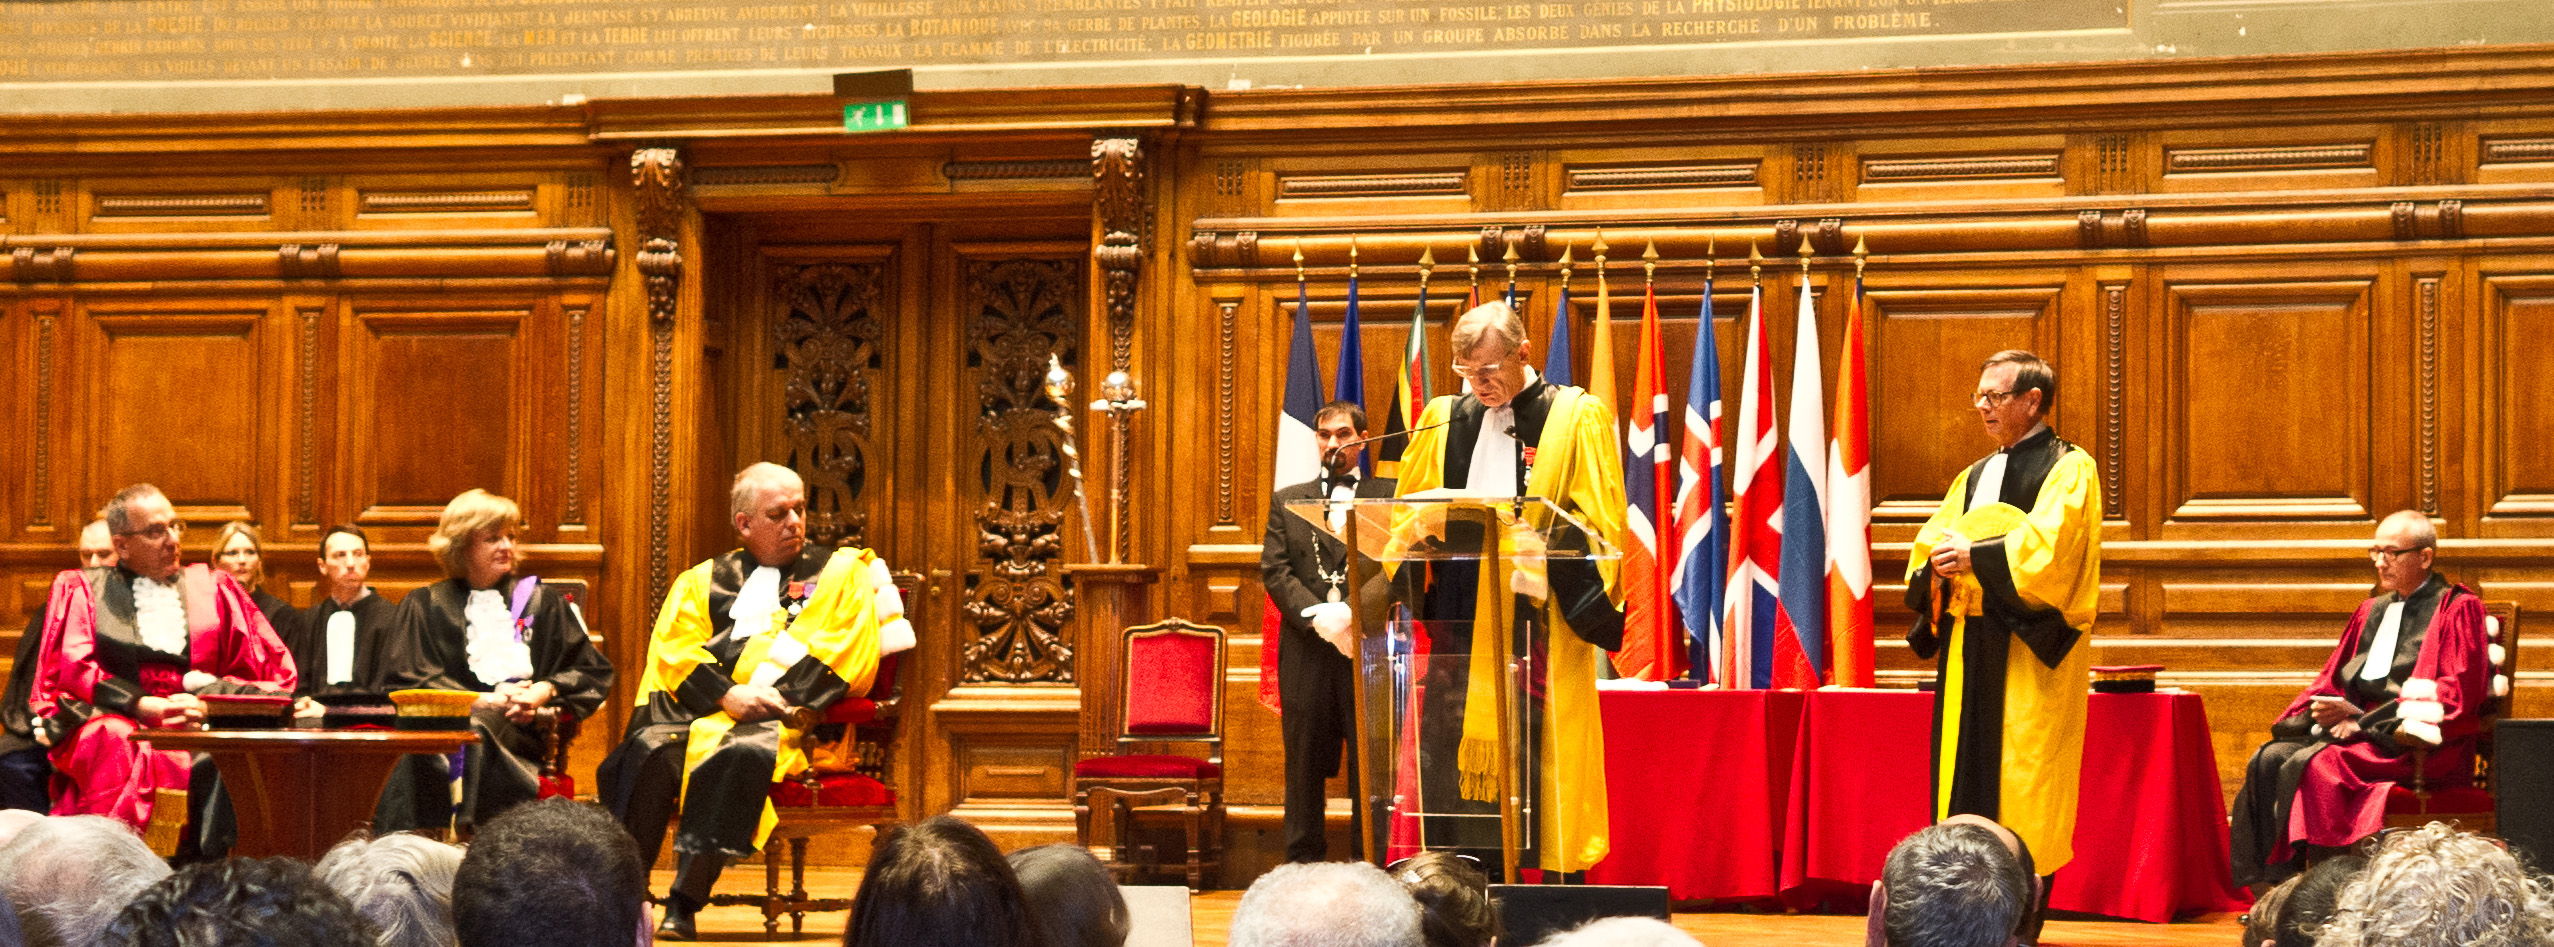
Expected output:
(1115, 593)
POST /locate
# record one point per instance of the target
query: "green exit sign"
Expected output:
(873, 116)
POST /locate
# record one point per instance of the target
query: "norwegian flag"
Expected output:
(1755, 539)
(1702, 507)
(1800, 636)
(1653, 646)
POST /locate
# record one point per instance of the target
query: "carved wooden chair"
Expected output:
(559, 726)
(2467, 803)
(1172, 679)
(846, 786)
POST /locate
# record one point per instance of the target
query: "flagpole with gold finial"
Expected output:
(1511, 258)
(1472, 261)
(1600, 349)
(1755, 264)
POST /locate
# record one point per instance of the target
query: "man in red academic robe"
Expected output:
(2412, 670)
(130, 647)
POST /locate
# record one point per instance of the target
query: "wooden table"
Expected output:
(297, 792)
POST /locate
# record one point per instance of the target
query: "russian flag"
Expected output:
(1755, 532)
(1296, 459)
(1800, 639)
(1849, 511)
(1702, 506)
(1653, 648)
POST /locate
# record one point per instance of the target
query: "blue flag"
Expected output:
(1556, 359)
(1351, 383)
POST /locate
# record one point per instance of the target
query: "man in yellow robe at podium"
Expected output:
(1516, 434)
(2004, 580)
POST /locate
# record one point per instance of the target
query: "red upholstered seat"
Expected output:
(1147, 766)
(2466, 799)
(832, 789)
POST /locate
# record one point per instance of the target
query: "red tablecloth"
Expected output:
(1697, 784)
(1704, 786)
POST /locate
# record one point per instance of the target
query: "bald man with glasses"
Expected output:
(2412, 670)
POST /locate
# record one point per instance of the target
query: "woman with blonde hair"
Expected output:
(240, 549)
(489, 630)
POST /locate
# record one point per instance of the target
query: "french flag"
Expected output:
(1702, 507)
(1297, 459)
(1755, 533)
(1800, 638)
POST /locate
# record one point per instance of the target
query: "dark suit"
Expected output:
(1315, 683)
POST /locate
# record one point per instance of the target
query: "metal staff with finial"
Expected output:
(1059, 388)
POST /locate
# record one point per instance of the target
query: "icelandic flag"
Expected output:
(1556, 360)
(1409, 392)
(1849, 511)
(1297, 459)
(1755, 532)
(1800, 638)
(1653, 645)
(1702, 506)
(1351, 383)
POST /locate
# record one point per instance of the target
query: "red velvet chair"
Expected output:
(1171, 680)
(846, 787)
(2468, 803)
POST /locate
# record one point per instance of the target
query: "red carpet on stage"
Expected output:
(1742, 795)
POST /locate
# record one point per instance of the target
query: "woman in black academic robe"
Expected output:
(241, 551)
(519, 646)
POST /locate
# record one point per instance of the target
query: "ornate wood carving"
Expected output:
(2292, 158)
(306, 464)
(2428, 303)
(1125, 218)
(584, 200)
(1210, 249)
(2096, 230)
(111, 206)
(1515, 181)
(307, 261)
(1227, 327)
(2425, 161)
(48, 265)
(503, 201)
(1903, 170)
(2444, 220)
(2113, 171)
(1671, 177)
(1012, 170)
(658, 173)
(40, 506)
(1497, 238)
(572, 510)
(314, 191)
(581, 257)
(2516, 150)
(1232, 178)
(1021, 313)
(1422, 184)
(2114, 396)
(48, 197)
(828, 334)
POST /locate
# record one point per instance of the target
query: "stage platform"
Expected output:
(1212, 912)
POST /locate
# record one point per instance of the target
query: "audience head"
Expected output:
(550, 872)
(1623, 932)
(1075, 901)
(940, 883)
(2405, 548)
(69, 875)
(238, 901)
(2437, 886)
(2310, 899)
(1490, 352)
(2261, 924)
(400, 884)
(14, 821)
(145, 531)
(345, 559)
(240, 549)
(475, 538)
(1962, 883)
(1453, 896)
(97, 545)
(1325, 904)
(768, 504)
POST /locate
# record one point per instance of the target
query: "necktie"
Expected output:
(2380, 660)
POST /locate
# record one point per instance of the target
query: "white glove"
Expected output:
(1333, 622)
(197, 680)
(1528, 580)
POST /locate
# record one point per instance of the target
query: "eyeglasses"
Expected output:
(1989, 399)
(157, 531)
(1480, 372)
(2383, 553)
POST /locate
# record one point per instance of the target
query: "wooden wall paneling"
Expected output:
(1409, 183)
(1638, 179)
(2279, 156)
(2514, 337)
(185, 201)
(1929, 332)
(175, 395)
(2276, 395)
(1924, 169)
(445, 405)
(458, 199)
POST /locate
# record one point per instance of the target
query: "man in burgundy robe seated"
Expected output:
(129, 647)
(2413, 670)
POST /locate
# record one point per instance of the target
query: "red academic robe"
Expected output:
(2342, 796)
(95, 668)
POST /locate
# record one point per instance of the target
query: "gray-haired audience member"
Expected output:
(69, 875)
(1325, 904)
(2437, 887)
(1962, 883)
(402, 884)
(551, 872)
(1453, 896)
(250, 902)
(1072, 896)
(1623, 932)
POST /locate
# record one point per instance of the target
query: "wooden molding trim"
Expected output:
(2288, 158)
(1672, 177)
(1424, 184)
(119, 206)
(2517, 150)
(1912, 170)
(40, 505)
(791, 175)
(512, 201)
